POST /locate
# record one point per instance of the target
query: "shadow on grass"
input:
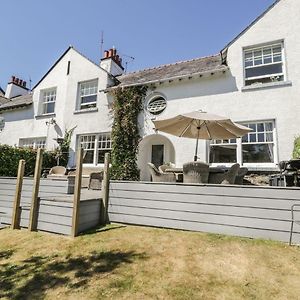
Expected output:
(5, 254)
(102, 228)
(32, 277)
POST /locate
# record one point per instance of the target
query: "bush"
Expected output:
(10, 156)
(296, 151)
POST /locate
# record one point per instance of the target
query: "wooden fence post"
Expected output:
(35, 191)
(77, 192)
(15, 222)
(105, 189)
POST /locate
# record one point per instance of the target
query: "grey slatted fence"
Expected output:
(248, 211)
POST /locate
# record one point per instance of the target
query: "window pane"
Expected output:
(49, 108)
(264, 70)
(88, 156)
(260, 127)
(245, 138)
(88, 99)
(101, 155)
(261, 137)
(269, 126)
(258, 153)
(252, 137)
(222, 154)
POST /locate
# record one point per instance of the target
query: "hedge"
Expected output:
(10, 156)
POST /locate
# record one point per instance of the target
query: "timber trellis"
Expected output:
(247, 211)
(48, 205)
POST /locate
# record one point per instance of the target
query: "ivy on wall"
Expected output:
(296, 150)
(125, 132)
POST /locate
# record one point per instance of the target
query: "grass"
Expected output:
(128, 262)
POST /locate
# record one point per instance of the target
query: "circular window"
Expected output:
(157, 105)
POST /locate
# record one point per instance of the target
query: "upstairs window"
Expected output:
(48, 101)
(264, 64)
(88, 94)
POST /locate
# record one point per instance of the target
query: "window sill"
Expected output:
(266, 85)
(44, 116)
(85, 110)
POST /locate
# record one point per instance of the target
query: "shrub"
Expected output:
(296, 150)
(10, 156)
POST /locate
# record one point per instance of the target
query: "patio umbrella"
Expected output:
(201, 125)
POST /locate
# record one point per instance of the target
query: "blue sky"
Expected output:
(34, 33)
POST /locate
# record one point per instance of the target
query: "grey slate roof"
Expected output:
(3, 100)
(17, 102)
(171, 71)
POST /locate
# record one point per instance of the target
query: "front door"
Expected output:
(157, 155)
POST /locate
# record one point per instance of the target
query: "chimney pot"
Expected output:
(21, 82)
(110, 54)
(24, 83)
(106, 53)
(114, 52)
(16, 81)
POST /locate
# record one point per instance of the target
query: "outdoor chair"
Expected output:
(163, 168)
(240, 176)
(96, 181)
(57, 171)
(227, 177)
(195, 172)
(158, 176)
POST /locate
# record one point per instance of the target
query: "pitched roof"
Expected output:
(17, 102)
(61, 57)
(181, 69)
(250, 25)
(3, 100)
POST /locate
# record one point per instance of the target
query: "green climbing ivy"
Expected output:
(296, 150)
(125, 132)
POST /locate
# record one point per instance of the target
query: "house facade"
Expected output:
(254, 81)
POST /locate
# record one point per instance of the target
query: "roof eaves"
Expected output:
(223, 69)
(250, 25)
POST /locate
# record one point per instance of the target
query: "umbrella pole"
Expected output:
(196, 151)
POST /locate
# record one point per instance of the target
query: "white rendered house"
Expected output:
(254, 80)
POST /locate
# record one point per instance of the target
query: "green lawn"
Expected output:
(128, 262)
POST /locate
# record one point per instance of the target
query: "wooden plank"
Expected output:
(204, 208)
(56, 202)
(203, 227)
(55, 228)
(15, 224)
(257, 223)
(56, 210)
(232, 190)
(240, 200)
(35, 192)
(105, 189)
(77, 192)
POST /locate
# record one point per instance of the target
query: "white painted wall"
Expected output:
(13, 90)
(26, 122)
(223, 95)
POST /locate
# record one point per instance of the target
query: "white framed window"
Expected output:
(258, 145)
(88, 91)
(95, 146)
(48, 99)
(33, 143)
(264, 64)
(2, 123)
(255, 149)
(223, 151)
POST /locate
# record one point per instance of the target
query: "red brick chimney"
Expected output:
(112, 54)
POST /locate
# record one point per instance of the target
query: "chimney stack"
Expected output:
(112, 54)
(16, 87)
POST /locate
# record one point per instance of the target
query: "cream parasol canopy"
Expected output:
(201, 125)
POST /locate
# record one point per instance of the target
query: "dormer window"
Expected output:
(264, 64)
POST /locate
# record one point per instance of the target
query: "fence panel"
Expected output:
(256, 212)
